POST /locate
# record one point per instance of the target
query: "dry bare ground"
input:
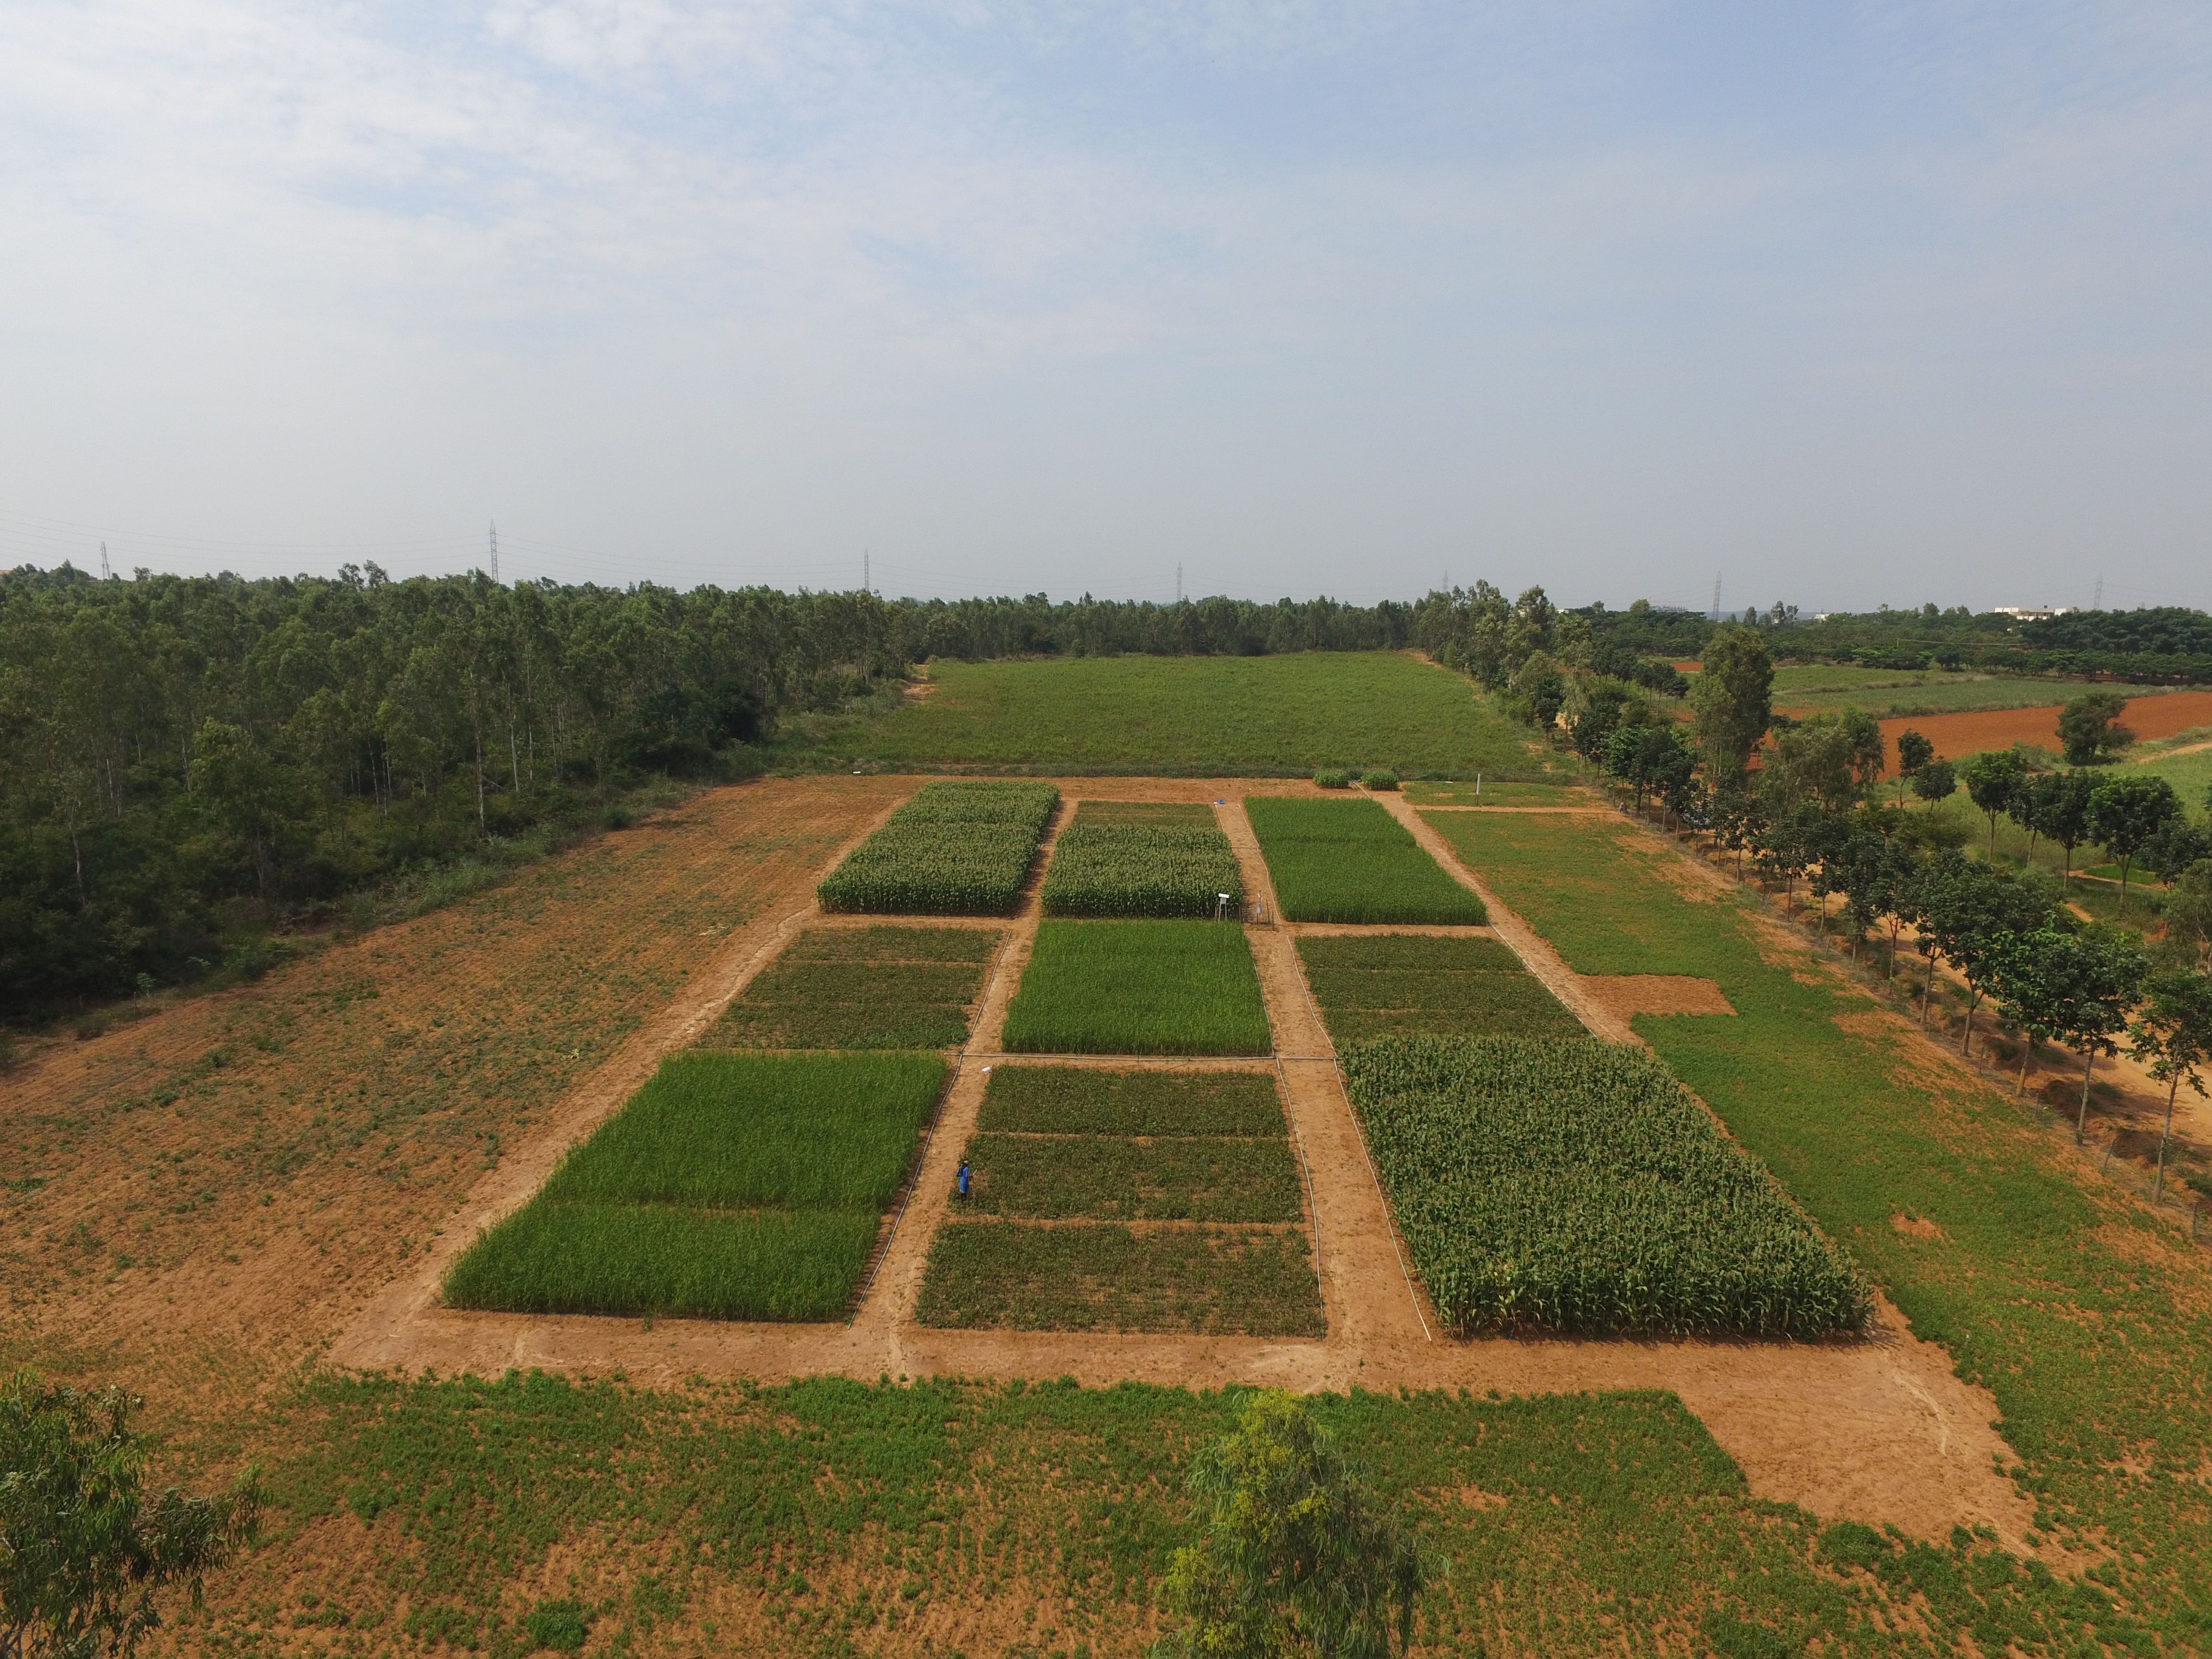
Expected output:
(1878, 1428)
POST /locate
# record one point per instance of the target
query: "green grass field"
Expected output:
(1099, 1276)
(2191, 775)
(1373, 985)
(1085, 1100)
(731, 1186)
(1275, 716)
(1137, 860)
(2086, 1317)
(1351, 861)
(1139, 988)
(862, 987)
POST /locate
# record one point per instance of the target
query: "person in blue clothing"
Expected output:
(963, 1177)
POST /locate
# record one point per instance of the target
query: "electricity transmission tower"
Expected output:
(494, 550)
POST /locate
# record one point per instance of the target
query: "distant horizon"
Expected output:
(1611, 296)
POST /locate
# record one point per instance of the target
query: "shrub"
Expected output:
(1334, 778)
(1380, 779)
(1578, 1187)
(1350, 860)
(954, 849)
(561, 1626)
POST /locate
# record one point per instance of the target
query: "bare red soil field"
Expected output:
(1956, 736)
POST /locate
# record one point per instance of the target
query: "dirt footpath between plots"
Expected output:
(1879, 1429)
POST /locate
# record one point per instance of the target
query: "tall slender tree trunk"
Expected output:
(2081, 1117)
(2026, 1054)
(2173, 1087)
(1966, 1036)
(1927, 992)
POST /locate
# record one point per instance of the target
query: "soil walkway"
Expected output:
(1879, 1429)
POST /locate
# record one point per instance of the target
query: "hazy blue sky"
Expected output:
(1851, 304)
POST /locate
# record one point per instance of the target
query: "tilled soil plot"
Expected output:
(1958, 735)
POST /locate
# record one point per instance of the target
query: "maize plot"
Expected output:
(1578, 1187)
(1139, 860)
(955, 849)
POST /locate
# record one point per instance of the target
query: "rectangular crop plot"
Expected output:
(1098, 1276)
(1350, 860)
(731, 1186)
(955, 849)
(1139, 860)
(1117, 1178)
(863, 988)
(1578, 1187)
(1409, 984)
(1139, 988)
(1080, 1100)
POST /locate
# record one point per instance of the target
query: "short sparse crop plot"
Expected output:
(863, 988)
(1139, 988)
(1065, 1151)
(1488, 792)
(955, 849)
(1120, 1178)
(1350, 860)
(1100, 1276)
(1411, 984)
(731, 1187)
(1141, 859)
(1085, 1100)
(1578, 1187)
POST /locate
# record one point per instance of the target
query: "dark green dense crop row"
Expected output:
(1142, 860)
(1072, 1100)
(1139, 988)
(1371, 985)
(732, 1186)
(1350, 860)
(1578, 1187)
(863, 988)
(955, 849)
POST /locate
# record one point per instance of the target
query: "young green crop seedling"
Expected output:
(731, 1187)
(1370, 985)
(1350, 860)
(863, 988)
(1139, 988)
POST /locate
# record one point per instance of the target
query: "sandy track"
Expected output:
(1879, 1429)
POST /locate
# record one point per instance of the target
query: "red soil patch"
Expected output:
(1956, 736)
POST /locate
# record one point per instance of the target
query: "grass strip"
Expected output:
(2085, 1316)
(1350, 860)
(1139, 988)
(1103, 1277)
(744, 1131)
(570, 1258)
(954, 849)
(1115, 1178)
(1490, 793)
(1139, 868)
(1576, 1187)
(1086, 1100)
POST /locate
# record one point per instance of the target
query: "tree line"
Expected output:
(1808, 800)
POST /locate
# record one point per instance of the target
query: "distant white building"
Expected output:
(2031, 612)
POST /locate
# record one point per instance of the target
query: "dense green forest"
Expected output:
(186, 763)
